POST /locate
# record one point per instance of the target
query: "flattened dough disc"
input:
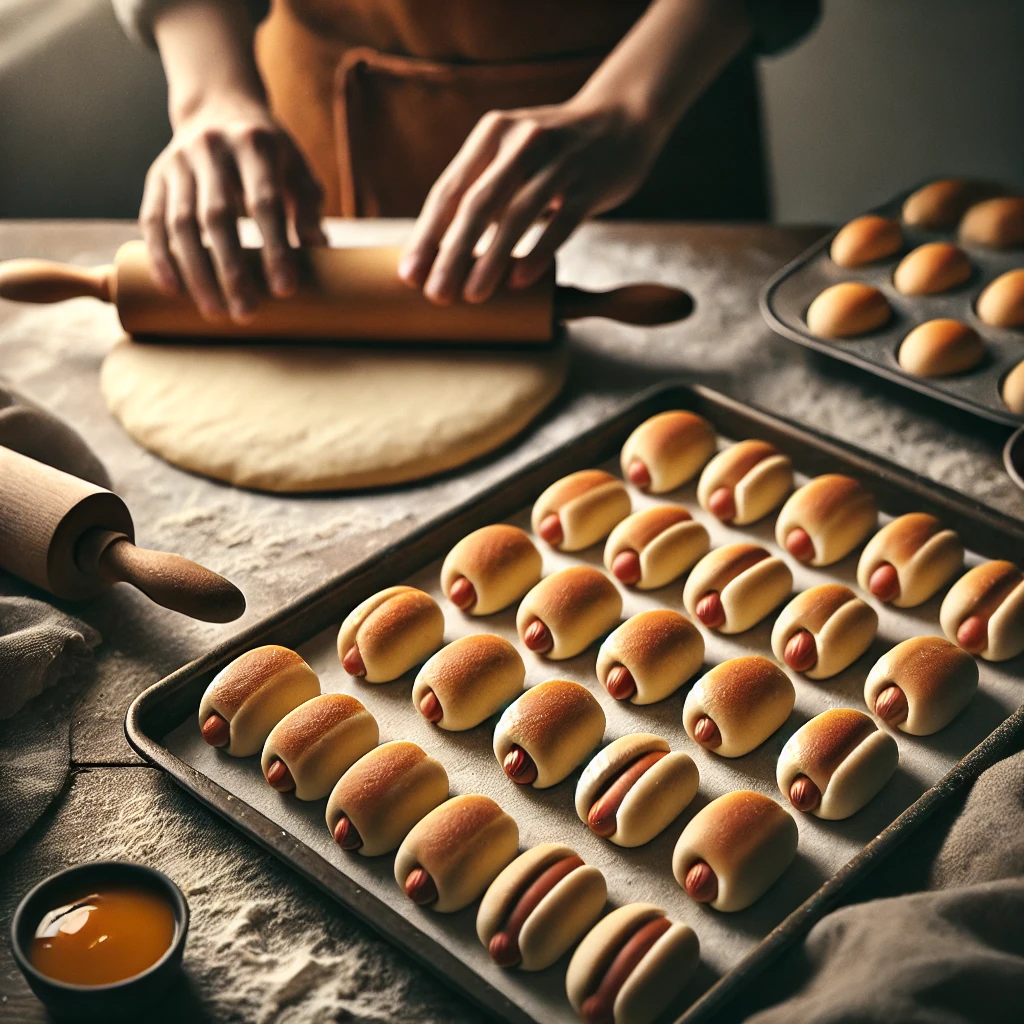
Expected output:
(319, 419)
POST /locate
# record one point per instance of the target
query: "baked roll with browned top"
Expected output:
(635, 788)
(836, 763)
(1001, 304)
(1013, 389)
(454, 853)
(932, 268)
(389, 633)
(468, 681)
(940, 204)
(650, 656)
(738, 705)
(826, 519)
(567, 611)
(539, 907)
(745, 482)
(732, 588)
(654, 546)
(248, 697)
(734, 849)
(667, 450)
(847, 310)
(995, 223)
(379, 799)
(984, 611)
(314, 745)
(941, 348)
(547, 732)
(866, 240)
(580, 509)
(921, 685)
(823, 630)
(909, 560)
(490, 568)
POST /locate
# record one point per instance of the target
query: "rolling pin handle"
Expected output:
(642, 304)
(46, 281)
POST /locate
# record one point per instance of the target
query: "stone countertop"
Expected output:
(264, 945)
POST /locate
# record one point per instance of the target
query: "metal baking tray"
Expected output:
(786, 296)
(161, 726)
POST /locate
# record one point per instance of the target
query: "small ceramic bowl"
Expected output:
(97, 1002)
(1013, 458)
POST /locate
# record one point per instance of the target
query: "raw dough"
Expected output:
(321, 419)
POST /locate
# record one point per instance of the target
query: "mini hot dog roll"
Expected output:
(539, 907)
(940, 204)
(732, 588)
(836, 763)
(995, 223)
(655, 546)
(630, 966)
(635, 788)
(667, 450)
(650, 656)
(454, 853)
(932, 268)
(547, 732)
(379, 799)
(248, 697)
(826, 519)
(468, 681)
(737, 705)
(1001, 304)
(823, 630)
(984, 611)
(389, 633)
(734, 849)
(567, 611)
(745, 482)
(314, 745)
(580, 509)
(848, 309)
(866, 240)
(909, 560)
(490, 568)
(921, 685)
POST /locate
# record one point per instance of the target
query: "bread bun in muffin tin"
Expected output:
(1001, 304)
(580, 509)
(866, 239)
(667, 450)
(932, 268)
(490, 568)
(941, 348)
(941, 204)
(847, 310)
(1013, 389)
(995, 223)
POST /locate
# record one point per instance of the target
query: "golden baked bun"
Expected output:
(454, 853)
(836, 763)
(824, 520)
(734, 850)
(567, 611)
(248, 697)
(667, 450)
(921, 685)
(745, 482)
(490, 568)
(379, 799)
(847, 310)
(1001, 304)
(466, 682)
(632, 964)
(1013, 389)
(995, 223)
(823, 630)
(732, 588)
(580, 509)
(932, 268)
(737, 705)
(941, 348)
(865, 240)
(314, 745)
(650, 656)
(539, 907)
(389, 633)
(941, 204)
(655, 546)
(634, 788)
(909, 560)
(548, 732)
(984, 611)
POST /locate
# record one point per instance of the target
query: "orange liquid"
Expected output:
(104, 937)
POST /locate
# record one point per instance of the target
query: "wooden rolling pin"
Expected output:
(75, 540)
(343, 295)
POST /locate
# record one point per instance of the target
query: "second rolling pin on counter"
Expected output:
(344, 295)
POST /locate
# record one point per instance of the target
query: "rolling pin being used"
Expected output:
(75, 540)
(344, 295)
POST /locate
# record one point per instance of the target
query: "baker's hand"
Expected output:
(560, 163)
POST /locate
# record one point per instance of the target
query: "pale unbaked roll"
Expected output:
(552, 727)
(471, 679)
(389, 633)
(848, 309)
(634, 788)
(251, 695)
(995, 223)
(984, 611)
(580, 509)
(1001, 304)
(655, 546)
(865, 240)
(745, 699)
(834, 511)
(461, 845)
(539, 907)
(836, 763)
(498, 562)
(650, 656)
(667, 450)
(745, 482)
(932, 268)
(746, 839)
(317, 743)
(383, 795)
